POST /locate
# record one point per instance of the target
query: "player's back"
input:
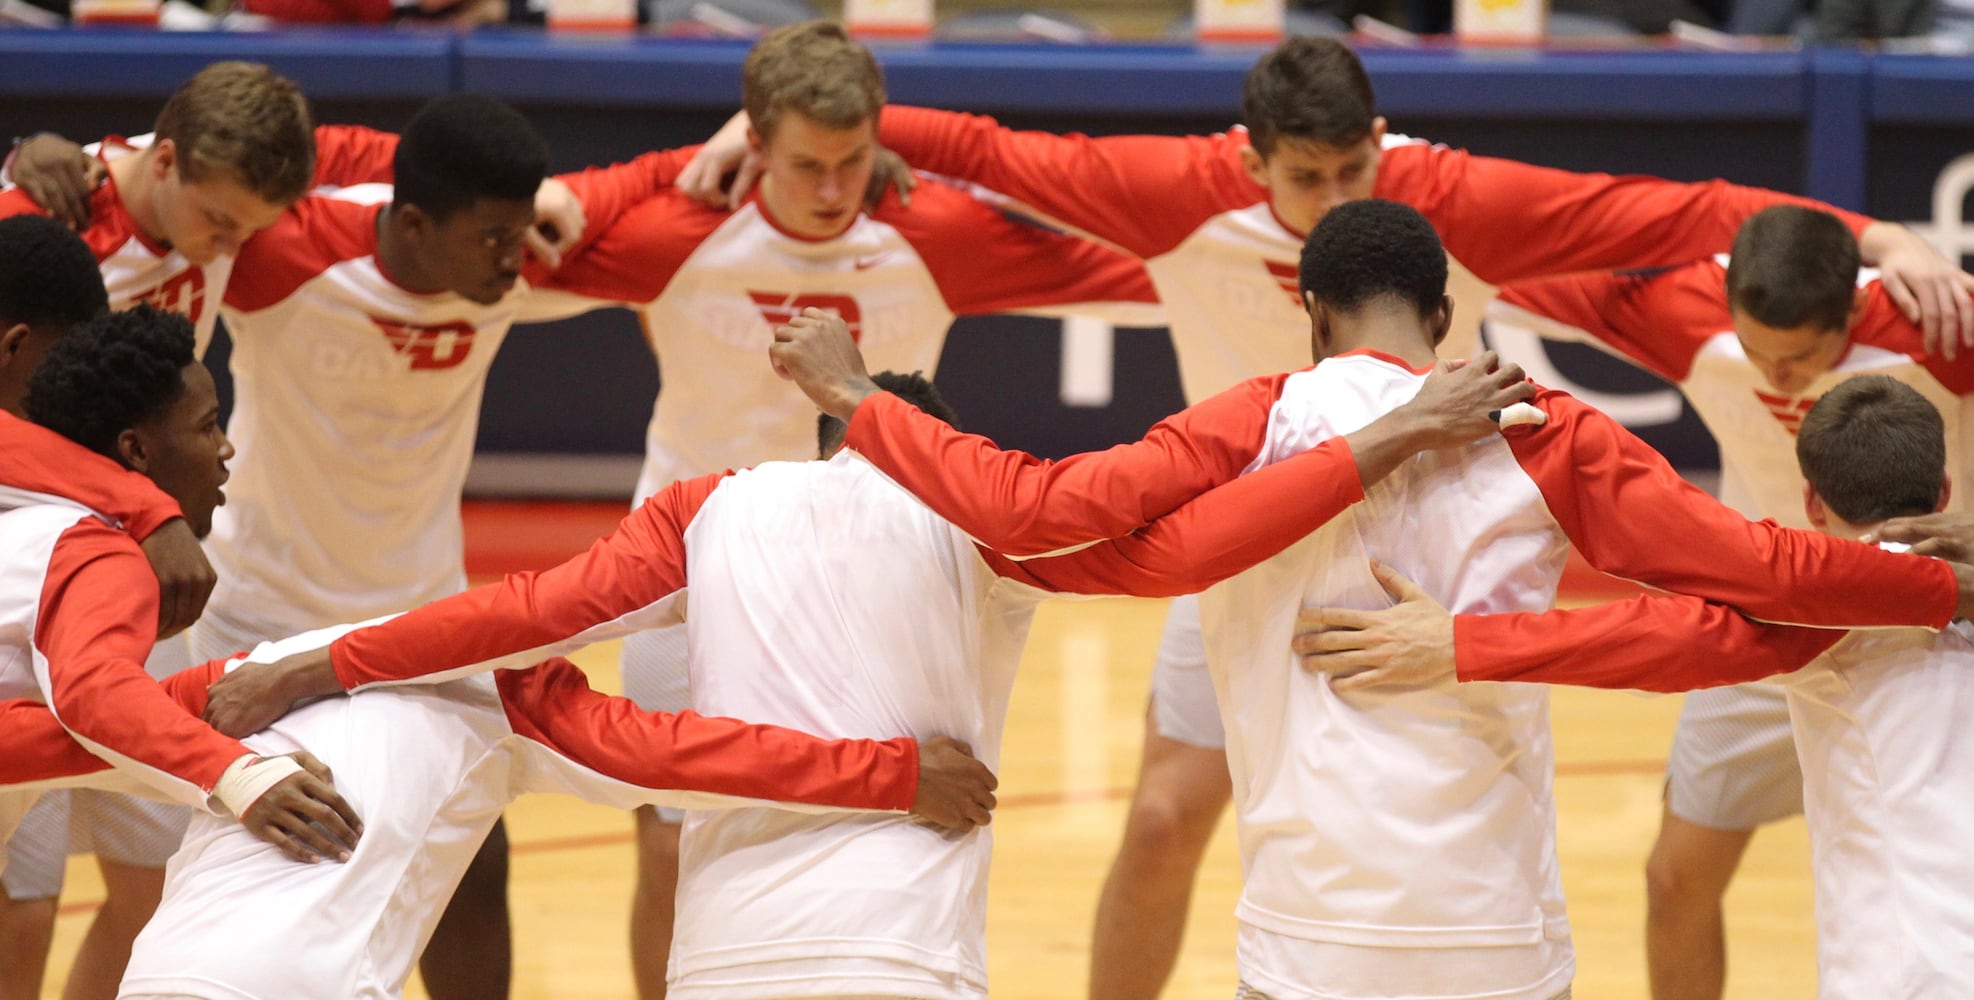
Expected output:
(1387, 832)
(241, 920)
(1888, 775)
(825, 598)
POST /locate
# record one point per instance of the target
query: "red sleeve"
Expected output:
(323, 11)
(985, 262)
(528, 617)
(314, 234)
(554, 705)
(1883, 326)
(1145, 193)
(1015, 503)
(634, 260)
(1659, 320)
(352, 154)
(35, 747)
(38, 460)
(1654, 643)
(1510, 221)
(1224, 531)
(99, 611)
(1631, 516)
(607, 193)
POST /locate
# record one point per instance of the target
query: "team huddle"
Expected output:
(247, 673)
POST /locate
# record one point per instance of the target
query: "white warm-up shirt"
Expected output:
(429, 769)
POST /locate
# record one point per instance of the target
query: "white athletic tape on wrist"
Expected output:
(1517, 414)
(249, 778)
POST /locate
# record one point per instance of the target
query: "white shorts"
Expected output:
(1183, 706)
(1733, 764)
(119, 828)
(658, 679)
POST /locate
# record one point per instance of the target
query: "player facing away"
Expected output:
(1752, 341)
(81, 602)
(1878, 714)
(712, 530)
(1329, 909)
(710, 285)
(1219, 221)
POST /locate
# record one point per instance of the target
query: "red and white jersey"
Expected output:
(710, 287)
(800, 571)
(1226, 266)
(356, 405)
(138, 269)
(38, 465)
(429, 769)
(1677, 325)
(1887, 755)
(78, 611)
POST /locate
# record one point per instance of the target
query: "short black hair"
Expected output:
(915, 389)
(1793, 266)
(116, 372)
(1873, 448)
(1371, 249)
(1310, 89)
(48, 276)
(461, 148)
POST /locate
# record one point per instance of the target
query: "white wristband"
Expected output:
(249, 778)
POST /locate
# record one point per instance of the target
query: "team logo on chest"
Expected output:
(1788, 410)
(1289, 278)
(183, 293)
(429, 348)
(780, 307)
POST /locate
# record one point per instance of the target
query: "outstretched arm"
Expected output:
(553, 705)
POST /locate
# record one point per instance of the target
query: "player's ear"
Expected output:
(1946, 491)
(1819, 516)
(1255, 165)
(132, 450)
(1441, 319)
(12, 339)
(164, 156)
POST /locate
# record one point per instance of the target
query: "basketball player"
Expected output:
(1878, 716)
(81, 601)
(1752, 342)
(710, 286)
(1219, 222)
(1375, 276)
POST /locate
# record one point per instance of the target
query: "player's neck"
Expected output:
(397, 260)
(1394, 331)
(137, 188)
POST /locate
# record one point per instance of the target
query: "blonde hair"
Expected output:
(244, 120)
(814, 69)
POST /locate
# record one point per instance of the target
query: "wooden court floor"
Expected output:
(1069, 762)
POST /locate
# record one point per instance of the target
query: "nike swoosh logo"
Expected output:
(866, 263)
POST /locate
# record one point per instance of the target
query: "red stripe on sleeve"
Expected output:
(1631, 516)
(554, 705)
(1510, 221)
(1145, 193)
(638, 565)
(99, 611)
(1224, 531)
(985, 262)
(1015, 503)
(39, 460)
(1658, 320)
(1654, 643)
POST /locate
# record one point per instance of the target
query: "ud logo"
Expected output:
(1289, 278)
(429, 347)
(183, 293)
(780, 307)
(1787, 409)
